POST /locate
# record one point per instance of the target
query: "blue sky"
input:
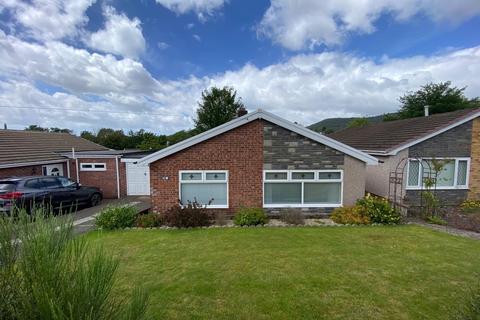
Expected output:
(87, 64)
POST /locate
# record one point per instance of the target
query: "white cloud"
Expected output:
(47, 19)
(121, 35)
(203, 8)
(162, 45)
(197, 37)
(299, 24)
(305, 88)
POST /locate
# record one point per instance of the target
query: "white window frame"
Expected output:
(303, 181)
(205, 181)
(455, 178)
(93, 164)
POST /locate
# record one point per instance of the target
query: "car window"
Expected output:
(33, 184)
(7, 186)
(66, 182)
(50, 183)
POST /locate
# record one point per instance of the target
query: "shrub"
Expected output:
(191, 215)
(47, 273)
(250, 217)
(436, 220)
(116, 217)
(150, 220)
(378, 210)
(349, 215)
(469, 206)
(292, 216)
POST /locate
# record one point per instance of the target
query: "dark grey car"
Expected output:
(54, 192)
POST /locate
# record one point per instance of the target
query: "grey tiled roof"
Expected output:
(17, 146)
(386, 136)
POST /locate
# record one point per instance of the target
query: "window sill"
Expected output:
(435, 189)
(312, 205)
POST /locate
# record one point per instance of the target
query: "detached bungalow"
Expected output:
(24, 153)
(406, 150)
(258, 160)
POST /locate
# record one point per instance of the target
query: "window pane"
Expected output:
(283, 193)
(329, 175)
(303, 175)
(276, 176)
(329, 193)
(191, 176)
(216, 176)
(413, 171)
(204, 192)
(446, 173)
(462, 173)
(86, 166)
(100, 166)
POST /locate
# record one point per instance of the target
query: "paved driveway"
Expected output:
(84, 219)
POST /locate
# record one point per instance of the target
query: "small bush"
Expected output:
(116, 217)
(469, 206)
(436, 220)
(292, 216)
(150, 220)
(250, 217)
(349, 215)
(378, 210)
(189, 216)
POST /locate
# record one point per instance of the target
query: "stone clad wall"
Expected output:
(454, 143)
(475, 162)
(287, 150)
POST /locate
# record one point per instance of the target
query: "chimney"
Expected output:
(427, 111)
(5, 126)
(241, 112)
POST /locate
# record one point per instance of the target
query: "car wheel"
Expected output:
(95, 199)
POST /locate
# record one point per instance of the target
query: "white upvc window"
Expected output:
(93, 166)
(454, 173)
(302, 188)
(206, 187)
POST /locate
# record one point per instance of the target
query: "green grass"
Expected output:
(404, 272)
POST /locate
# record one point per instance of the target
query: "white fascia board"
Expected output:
(33, 163)
(260, 114)
(433, 134)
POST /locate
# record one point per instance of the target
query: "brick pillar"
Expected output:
(475, 162)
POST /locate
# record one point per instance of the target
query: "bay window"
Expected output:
(302, 188)
(208, 188)
(450, 173)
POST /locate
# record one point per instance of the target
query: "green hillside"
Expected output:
(336, 124)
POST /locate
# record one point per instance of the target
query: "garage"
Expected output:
(138, 179)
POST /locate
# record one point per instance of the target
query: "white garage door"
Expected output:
(138, 179)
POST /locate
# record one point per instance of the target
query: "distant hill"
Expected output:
(337, 124)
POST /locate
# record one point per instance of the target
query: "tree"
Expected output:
(358, 123)
(441, 97)
(217, 107)
(88, 135)
(60, 130)
(35, 127)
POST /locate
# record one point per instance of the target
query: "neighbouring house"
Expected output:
(443, 147)
(25, 153)
(258, 160)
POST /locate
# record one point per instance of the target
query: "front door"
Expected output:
(53, 169)
(138, 179)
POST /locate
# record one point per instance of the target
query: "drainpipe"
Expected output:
(76, 165)
(118, 178)
(427, 111)
(68, 168)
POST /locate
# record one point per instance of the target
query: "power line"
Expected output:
(101, 111)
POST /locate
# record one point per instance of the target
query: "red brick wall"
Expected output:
(240, 151)
(105, 180)
(26, 171)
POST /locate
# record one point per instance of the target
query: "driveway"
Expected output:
(84, 219)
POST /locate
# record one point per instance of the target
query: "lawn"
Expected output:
(404, 272)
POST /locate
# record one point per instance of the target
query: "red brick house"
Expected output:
(258, 160)
(25, 153)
